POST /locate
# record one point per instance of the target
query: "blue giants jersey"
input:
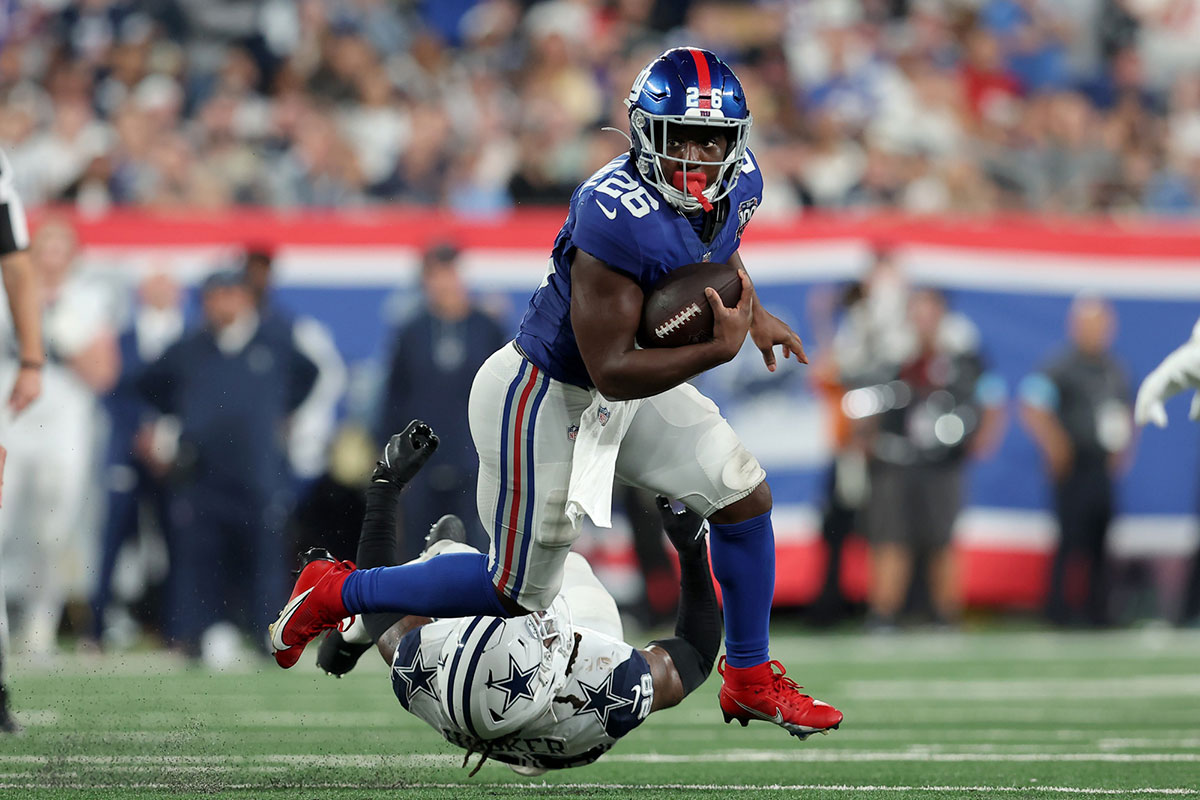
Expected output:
(623, 221)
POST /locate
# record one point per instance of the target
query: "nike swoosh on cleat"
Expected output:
(777, 719)
(612, 215)
(286, 615)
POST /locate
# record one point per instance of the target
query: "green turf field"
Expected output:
(927, 716)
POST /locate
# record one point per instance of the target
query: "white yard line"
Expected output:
(729, 756)
(1066, 688)
(533, 789)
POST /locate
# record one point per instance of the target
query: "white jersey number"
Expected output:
(643, 696)
(632, 194)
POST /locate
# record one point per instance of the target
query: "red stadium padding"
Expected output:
(417, 227)
(992, 578)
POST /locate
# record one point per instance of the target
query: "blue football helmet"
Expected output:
(687, 86)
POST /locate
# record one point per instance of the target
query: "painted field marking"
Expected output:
(975, 690)
(730, 756)
(533, 788)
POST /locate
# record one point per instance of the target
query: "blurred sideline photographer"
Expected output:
(937, 408)
(858, 333)
(25, 343)
(1178, 371)
(1076, 407)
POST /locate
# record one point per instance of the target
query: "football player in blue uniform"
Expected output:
(683, 193)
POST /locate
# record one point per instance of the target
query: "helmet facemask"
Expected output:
(650, 134)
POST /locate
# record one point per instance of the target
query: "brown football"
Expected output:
(676, 312)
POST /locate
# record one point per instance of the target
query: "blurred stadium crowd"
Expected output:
(1063, 106)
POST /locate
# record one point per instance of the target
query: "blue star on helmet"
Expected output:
(417, 677)
(516, 685)
(601, 701)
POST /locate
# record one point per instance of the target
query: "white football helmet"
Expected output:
(495, 676)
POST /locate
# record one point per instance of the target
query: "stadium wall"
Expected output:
(1013, 276)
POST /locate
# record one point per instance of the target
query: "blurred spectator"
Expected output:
(1077, 408)
(311, 427)
(49, 482)
(859, 339)
(434, 358)
(133, 473)
(476, 105)
(845, 484)
(936, 408)
(232, 383)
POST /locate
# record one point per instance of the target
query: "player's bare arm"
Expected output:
(768, 330)
(390, 640)
(21, 285)
(606, 309)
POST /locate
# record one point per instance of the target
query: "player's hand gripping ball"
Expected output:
(676, 312)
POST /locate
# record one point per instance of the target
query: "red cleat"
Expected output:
(762, 693)
(315, 605)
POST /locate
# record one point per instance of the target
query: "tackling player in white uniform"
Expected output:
(553, 689)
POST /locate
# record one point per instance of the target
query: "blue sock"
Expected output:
(450, 585)
(743, 559)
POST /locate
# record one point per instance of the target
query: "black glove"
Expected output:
(684, 528)
(405, 454)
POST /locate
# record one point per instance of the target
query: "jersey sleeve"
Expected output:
(748, 196)
(14, 233)
(606, 229)
(614, 687)
(633, 679)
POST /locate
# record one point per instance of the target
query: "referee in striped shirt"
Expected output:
(21, 286)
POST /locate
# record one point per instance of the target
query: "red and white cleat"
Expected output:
(315, 605)
(761, 693)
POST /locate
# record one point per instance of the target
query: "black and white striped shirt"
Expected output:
(14, 233)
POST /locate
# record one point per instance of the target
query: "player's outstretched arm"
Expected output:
(682, 663)
(768, 330)
(1178, 371)
(606, 309)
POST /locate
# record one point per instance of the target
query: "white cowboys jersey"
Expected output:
(608, 693)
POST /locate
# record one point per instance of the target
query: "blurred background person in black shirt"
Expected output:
(1077, 409)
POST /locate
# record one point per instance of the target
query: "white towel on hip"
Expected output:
(594, 461)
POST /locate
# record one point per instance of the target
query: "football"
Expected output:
(676, 312)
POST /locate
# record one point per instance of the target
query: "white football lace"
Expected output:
(676, 321)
